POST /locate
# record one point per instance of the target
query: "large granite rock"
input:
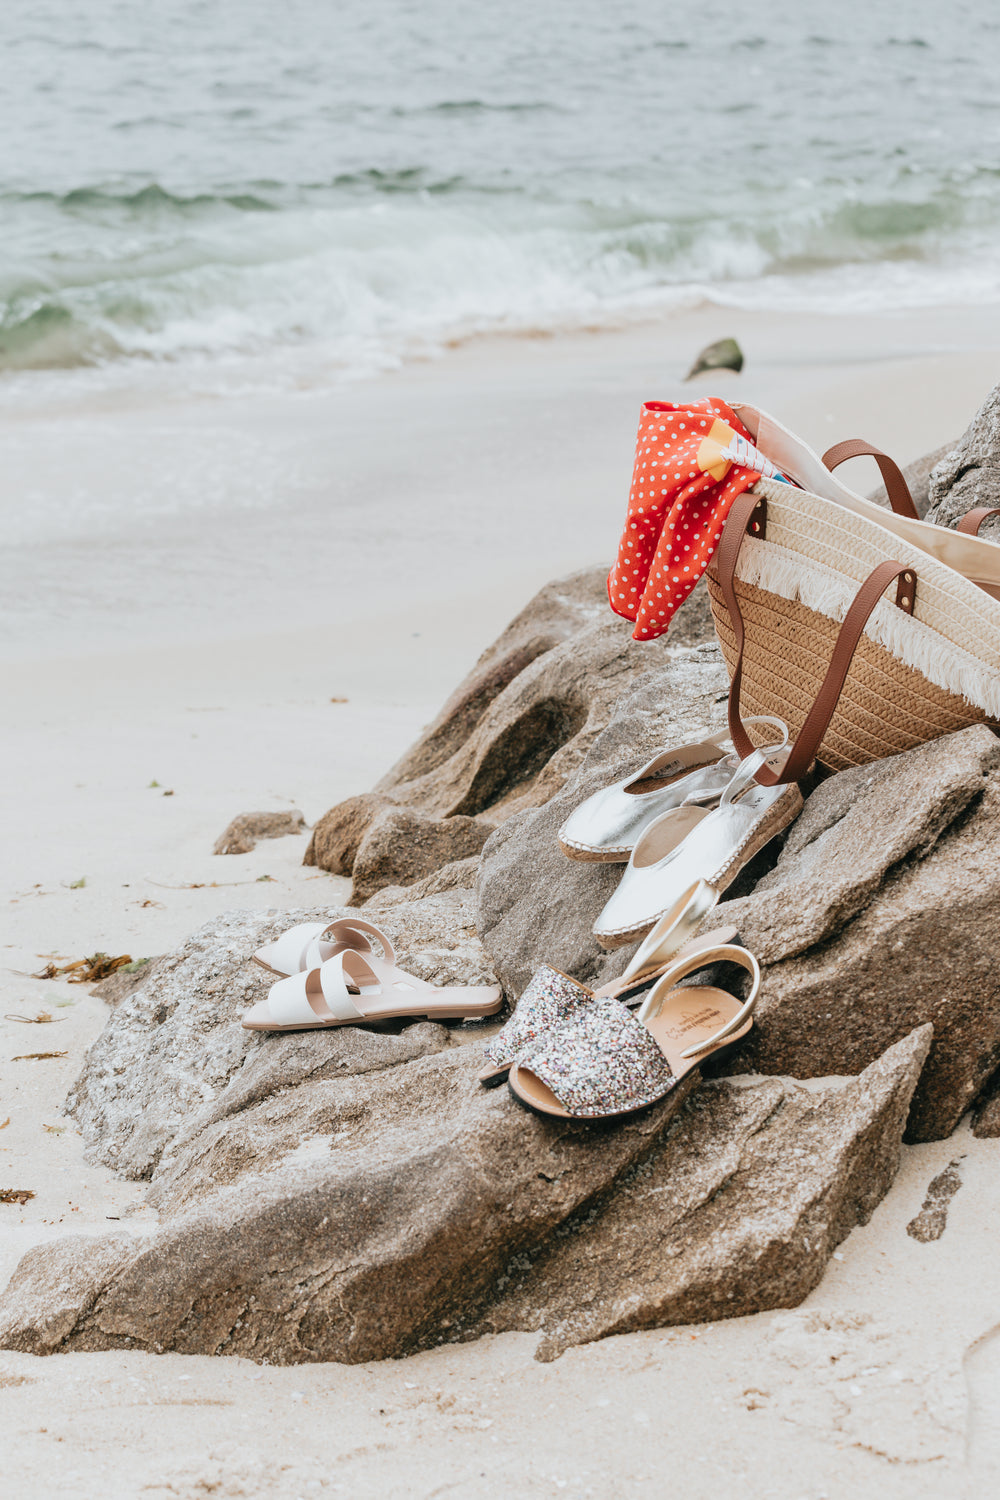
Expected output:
(533, 902)
(878, 916)
(508, 739)
(401, 846)
(737, 1209)
(245, 831)
(337, 836)
(370, 1199)
(459, 875)
(174, 1052)
(968, 474)
(119, 985)
(986, 1116)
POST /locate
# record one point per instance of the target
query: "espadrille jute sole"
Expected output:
(594, 856)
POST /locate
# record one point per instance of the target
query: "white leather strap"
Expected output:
(336, 974)
(343, 928)
(307, 945)
(289, 952)
(346, 933)
(288, 1000)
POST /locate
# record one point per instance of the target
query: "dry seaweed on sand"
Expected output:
(15, 1195)
(43, 1018)
(210, 885)
(35, 1056)
(85, 970)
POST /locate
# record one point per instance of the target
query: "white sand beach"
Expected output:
(287, 587)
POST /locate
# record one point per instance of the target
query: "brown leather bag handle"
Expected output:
(973, 519)
(896, 486)
(817, 720)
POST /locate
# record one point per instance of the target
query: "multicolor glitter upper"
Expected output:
(602, 1062)
(548, 999)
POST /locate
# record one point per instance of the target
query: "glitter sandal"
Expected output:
(606, 1062)
(551, 997)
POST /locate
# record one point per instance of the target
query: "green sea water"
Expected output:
(218, 180)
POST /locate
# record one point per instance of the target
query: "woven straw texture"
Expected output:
(823, 533)
(912, 678)
(885, 707)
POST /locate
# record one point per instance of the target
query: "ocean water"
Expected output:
(318, 190)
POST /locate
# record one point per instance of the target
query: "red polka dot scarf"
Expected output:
(691, 462)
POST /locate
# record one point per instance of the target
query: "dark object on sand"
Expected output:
(15, 1195)
(725, 354)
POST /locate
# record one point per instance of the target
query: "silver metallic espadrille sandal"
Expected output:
(608, 824)
(692, 843)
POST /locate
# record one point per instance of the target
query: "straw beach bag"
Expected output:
(866, 630)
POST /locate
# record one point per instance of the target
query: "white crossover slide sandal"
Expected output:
(608, 824)
(693, 843)
(352, 988)
(309, 944)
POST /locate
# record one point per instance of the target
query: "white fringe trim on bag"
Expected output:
(780, 571)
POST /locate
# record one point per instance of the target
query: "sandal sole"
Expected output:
(595, 856)
(467, 1013)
